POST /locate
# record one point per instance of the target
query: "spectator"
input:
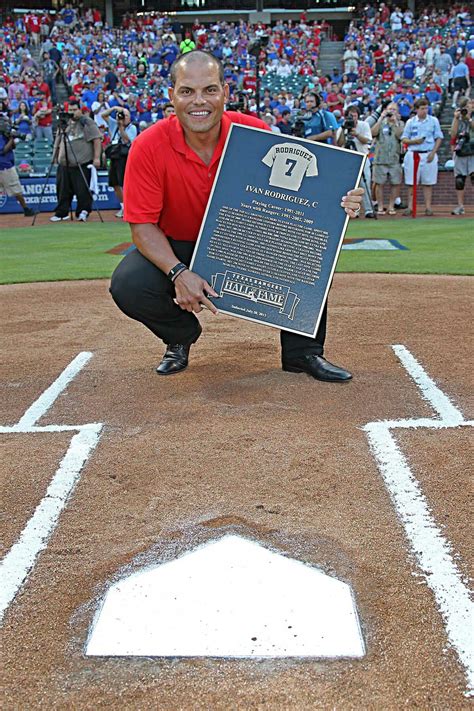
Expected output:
(16, 86)
(460, 80)
(98, 107)
(387, 132)
(357, 135)
(321, 124)
(271, 122)
(443, 63)
(168, 110)
(284, 124)
(9, 180)
(50, 72)
(122, 132)
(396, 20)
(187, 45)
(422, 135)
(350, 59)
(43, 117)
(22, 120)
(462, 135)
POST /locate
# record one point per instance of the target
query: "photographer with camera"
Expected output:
(356, 135)
(122, 132)
(462, 135)
(9, 180)
(76, 147)
(319, 124)
(387, 132)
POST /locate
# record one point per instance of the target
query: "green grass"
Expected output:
(435, 246)
(78, 251)
(60, 251)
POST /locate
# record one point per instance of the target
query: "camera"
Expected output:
(384, 103)
(464, 112)
(120, 115)
(240, 104)
(8, 132)
(461, 140)
(389, 115)
(63, 118)
(254, 48)
(349, 124)
(298, 129)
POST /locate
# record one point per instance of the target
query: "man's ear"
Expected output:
(226, 92)
(170, 93)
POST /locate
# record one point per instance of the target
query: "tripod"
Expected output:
(65, 141)
(350, 145)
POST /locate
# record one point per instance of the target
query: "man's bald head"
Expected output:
(196, 56)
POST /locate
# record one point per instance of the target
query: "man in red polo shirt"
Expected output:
(170, 171)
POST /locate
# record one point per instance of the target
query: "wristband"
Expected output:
(176, 271)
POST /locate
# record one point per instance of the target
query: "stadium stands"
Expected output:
(386, 53)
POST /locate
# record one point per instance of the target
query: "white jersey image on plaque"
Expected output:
(290, 163)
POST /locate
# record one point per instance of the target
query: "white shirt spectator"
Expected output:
(97, 107)
(362, 129)
(351, 61)
(284, 69)
(396, 20)
(427, 128)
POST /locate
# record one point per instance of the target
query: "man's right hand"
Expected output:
(192, 291)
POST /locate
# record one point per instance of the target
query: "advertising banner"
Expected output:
(33, 187)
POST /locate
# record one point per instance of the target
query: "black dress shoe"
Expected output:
(318, 367)
(176, 357)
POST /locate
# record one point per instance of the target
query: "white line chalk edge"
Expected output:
(431, 549)
(20, 559)
(46, 399)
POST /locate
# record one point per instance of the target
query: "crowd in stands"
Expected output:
(389, 54)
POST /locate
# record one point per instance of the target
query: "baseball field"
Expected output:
(113, 478)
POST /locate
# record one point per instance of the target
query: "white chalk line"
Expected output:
(431, 549)
(46, 399)
(20, 559)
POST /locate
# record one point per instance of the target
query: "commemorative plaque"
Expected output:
(274, 227)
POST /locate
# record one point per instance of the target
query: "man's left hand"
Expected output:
(352, 201)
(430, 157)
(96, 163)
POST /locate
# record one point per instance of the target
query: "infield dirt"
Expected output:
(234, 444)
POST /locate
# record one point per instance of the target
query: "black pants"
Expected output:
(69, 182)
(143, 292)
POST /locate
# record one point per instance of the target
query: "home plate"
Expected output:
(229, 598)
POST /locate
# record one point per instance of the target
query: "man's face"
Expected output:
(310, 102)
(354, 116)
(198, 96)
(422, 111)
(75, 112)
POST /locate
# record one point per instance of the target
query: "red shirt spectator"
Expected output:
(470, 65)
(33, 24)
(388, 75)
(41, 107)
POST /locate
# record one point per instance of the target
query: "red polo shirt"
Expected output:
(166, 183)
